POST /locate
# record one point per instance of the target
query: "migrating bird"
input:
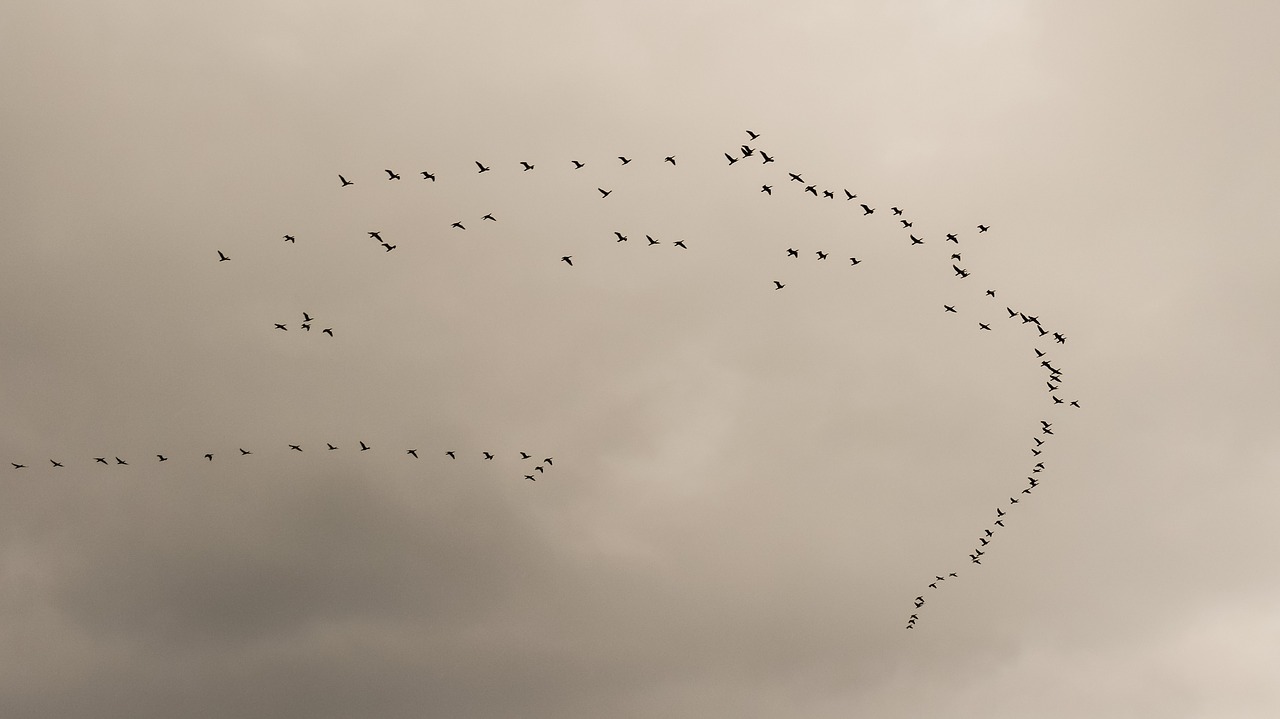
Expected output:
(916, 240)
(328, 331)
(652, 241)
(624, 159)
(161, 457)
(104, 459)
(222, 257)
(297, 448)
(451, 454)
(982, 326)
(540, 469)
(896, 211)
(567, 259)
(621, 237)
(428, 176)
(490, 217)
(487, 455)
(812, 190)
(458, 225)
(345, 181)
(680, 244)
(281, 327)
(854, 260)
(376, 235)
(948, 308)
(867, 210)
(752, 134)
(243, 451)
(793, 253)
(414, 452)
(18, 466)
(604, 193)
(962, 273)
(527, 166)
(905, 224)
(530, 478)
(670, 158)
(289, 238)
(547, 460)
(364, 447)
(1075, 403)
(389, 248)
(306, 317)
(795, 177)
(952, 238)
(119, 461)
(991, 293)
(779, 285)
(209, 457)
(1060, 338)
(391, 175)
(730, 158)
(828, 194)
(577, 165)
(764, 157)
(848, 195)
(747, 151)
(526, 455)
(822, 255)
(482, 167)
(766, 189)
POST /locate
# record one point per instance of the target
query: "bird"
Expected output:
(527, 166)
(778, 284)
(621, 237)
(451, 454)
(933, 585)
(1039, 441)
(999, 522)
(526, 455)
(458, 225)
(670, 158)
(681, 244)
(281, 327)
(328, 331)
(364, 447)
(793, 252)
(290, 238)
(490, 217)
(991, 293)
(956, 256)
(298, 448)
(952, 238)
(1056, 400)
(752, 134)
(764, 157)
(209, 457)
(982, 326)
(854, 261)
(905, 224)
(243, 451)
(962, 273)
(547, 460)
(604, 193)
(983, 228)
(828, 194)
(414, 452)
(822, 255)
(766, 189)
(867, 210)
(568, 259)
(428, 176)
(104, 459)
(1060, 338)
(345, 181)
(1038, 352)
(747, 151)
(896, 211)
(530, 478)
(730, 158)
(487, 455)
(482, 167)
(811, 190)
(624, 159)
(652, 241)
(306, 317)
(948, 308)
(916, 240)
(540, 469)
(577, 165)
(848, 195)
(999, 512)
(1075, 403)
(161, 457)
(18, 466)
(795, 177)
(222, 257)
(389, 247)
(391, 175)
(120, 461)
(376, 235)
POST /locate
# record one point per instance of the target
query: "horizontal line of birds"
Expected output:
(305, 325)
(540, 467)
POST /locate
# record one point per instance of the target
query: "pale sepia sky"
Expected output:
(750, 485)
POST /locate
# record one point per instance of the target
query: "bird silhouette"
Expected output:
(1075, 403)
(328, 331)
(948, 308)
(298, 448)
(161, 457)
(527, 166)
(730, 158)
(916, 240)
(281, 327)
(811, 190)
(766, 189)
(482, 167)
(822, 255)
(867, 210)
(526, 455)
(222, 257)
(828, 194)
(18, 466)
(764, 157)
(791, 252)
(982, 228)
(120, 461)
(487, 455)
(854, 260)
(389, 247)
(547, 460)
(956, 256)
(104, 459)
(289, 238)
(982, 326)
(680, 244)
(391, 175)
(778, 284)
(530, 478)
(489, 217)
(414, 452)
(962, 273)
(896, 211)
(621, 237)
(952, 238)
(345, 181)
(795, 178)
(625, 160)
(376, 235)
(747, 151)
(752, 134)
(243, 451)
(905, 224)
(848, 195)
(306, 317)
(209, 457)
(568, 259)
(364, 447)
(451, 454)
(652, 241)
(428, 176)
(670, 158)
(458, 225)
(577, 165)
(604, 193)
(991, 293)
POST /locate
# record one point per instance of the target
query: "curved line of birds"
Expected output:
(540, 467)
(1053, 380)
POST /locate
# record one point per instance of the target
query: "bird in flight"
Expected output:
(652, 241)
(625, 160)
(991, 293)
(960, 272)
(209, 457)
(391, 175)
(330, 446)
(451, 454)
(948, 308)
(764, 157)
(1060, 338)
(243, 451)
(328, 331)
(526, 455)
(621, 237)
(766, 189)
(18, 466)
(793, 253)
(896, 211)
(281, 327)
(747, 151)
(547, 460)
(952, 238)
(482, 167)
(848, 195)
(828, 194)
(854, 260)
(905, 224)
(604, 193)
(811, 190)
(540, 469)
(388, 247)
(982, 326)
(795, 177)
(778, 284)
(119, 461)
(982, 228)
(916, 240)
(298, 448)
(414, 452)
(104, 459)
(670, 158)
(364, 447)
(1075, 403)
(161, 457)
(730, 158)
(458, 225)
(752, 134)
(681, 245)
(428, 176)
(527, 166)
(822, 255)
(567, 259)
(487, 455)
(867, 210)
(345, 181)
(306, 317)
(530, 478)
(577, 165)
(289, 238)
(956, 256)
(222, 257)
(489, 217)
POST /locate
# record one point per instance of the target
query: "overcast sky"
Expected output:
(750, 485)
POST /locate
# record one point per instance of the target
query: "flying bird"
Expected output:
(547, 460)
(222, 257)
(747, 151)
(680, 244)
(730, 158)
(577, 165)
(281, 327)
(795, 177)
(962, 273)
(345, 181)
(652, 241)
(389, 247)
(604, 193)
(568, 259)
(526, 455)
(896, 211)
(482, 167)
(764, 157)
(487, 455)
(289, 238)
(793, 252)
(530, 478)
(490, 217)
(458, 225)
(621, 237)
(414, 452)
(104, 459)
(982, 228)
(752, 134)
(624, 159)
(916, 240)
(952, 238)
(540, 469)
(948, 308)
(428, 176)
(391, 175)
(451, 454)
(670, 158)
(905, 224)
(306, 317)
(328, 331)
(243, 451)
(848, 195)
(364, 447)
(854, 260)
(867, 210)
(811, 190)
(161, 457)
(778, 284)
(766, 189)
(120, 461)
(209, 457)
(982, 326)
(297, 448)
(527, 166)
(18, 466)
(991, 293)
(822, 255)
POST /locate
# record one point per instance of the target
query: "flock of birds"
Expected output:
(986, 309)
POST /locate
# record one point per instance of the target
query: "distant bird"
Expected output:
(621, 237)
(730, 158)
(854, 260)
(822, 255)
(391, 175)
(209, 457)
(458, 225)
(791, 252)
(414, 452)
(547, 460)
(525, 455)
(567, 259)
(281, 327)
(916, 240)
(982, 326)
(104, 459)
(428, 176)
(811, 190)
(764, 157)
(161, 457)
(747, 151)
(364, 447)
(482, 167)
(948, 308)
(905, 224)
(345, 181)
(999, 512)
(933, 585)
(1046, 430)
(766, 189)
(530, 478)
(389, 247)
(1039, 442)
(680, 244)
(652, 241)
(297, 448)
(451, 454)
(867, 210)
(527, 166)
(1060, 338)
(487, 455)
(243, 451)
(962, 273)
(376, 235)
(778, 284)
(999, 522)
(1075, 403)
(328, 331)
(1056, 400)
(1038, 352)
(956, 256)
(848, 195)
(289, 238)
(795, 177)
(983, 228)
(306, 317)
(828, 194)
(577, 165)
(991, 293)
(18, 466)
(896, 211)
(952, 238)
(624, 159)
(489, 217)
(752, 134)
(670, 158)
(604, 193)
(540, 469)
(222, 257)
(120, 461)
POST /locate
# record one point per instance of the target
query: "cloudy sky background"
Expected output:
(750, 485)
